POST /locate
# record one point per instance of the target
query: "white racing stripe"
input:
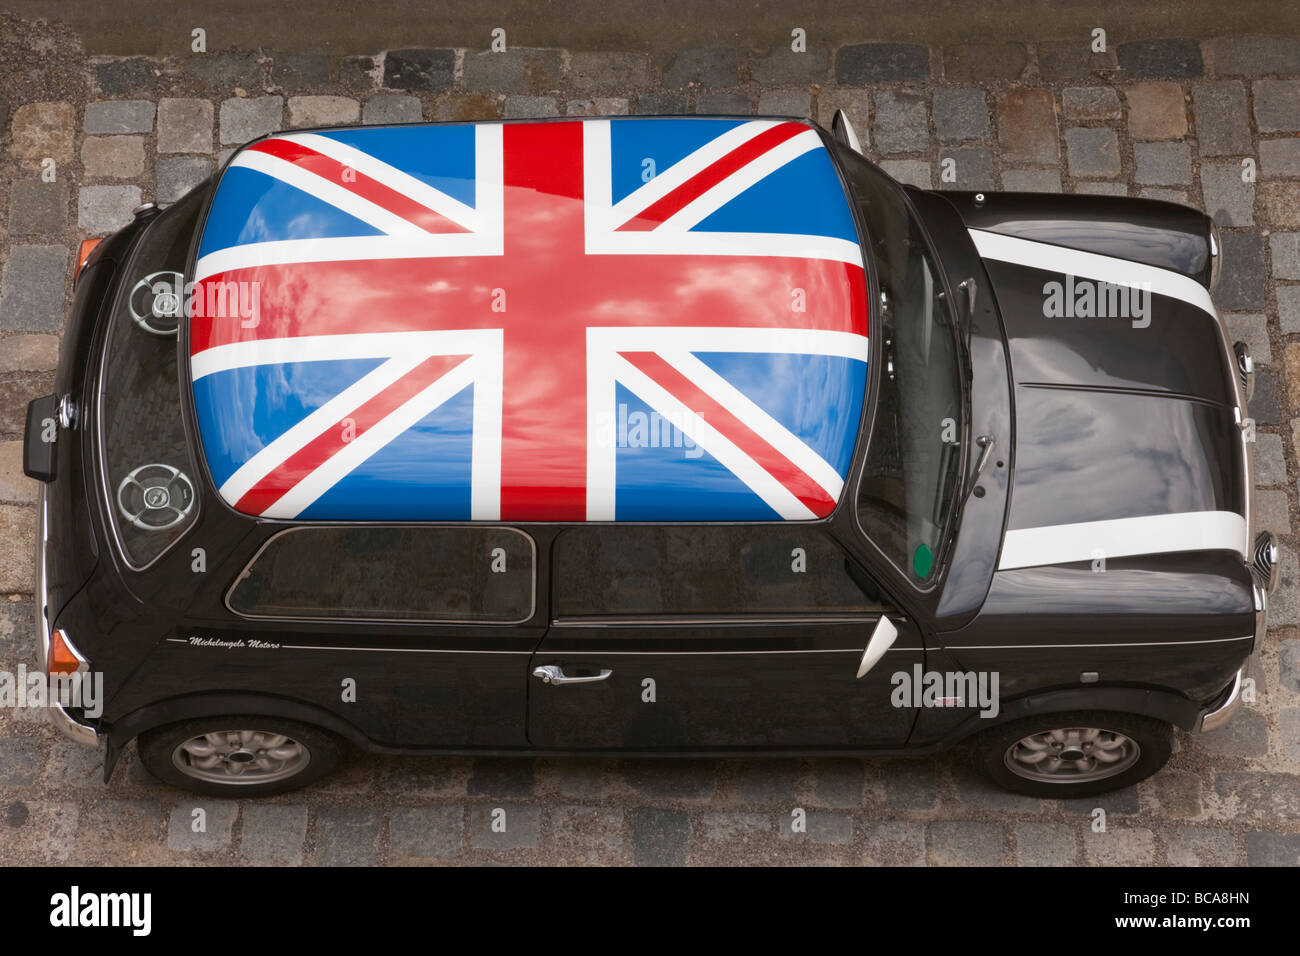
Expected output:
(1092, 265)
(1125, 537)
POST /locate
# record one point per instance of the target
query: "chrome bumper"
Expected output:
(1224, 712)
(59, 716)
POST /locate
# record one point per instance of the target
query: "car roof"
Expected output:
(626, 318)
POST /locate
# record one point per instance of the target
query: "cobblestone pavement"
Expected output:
(1172, 119)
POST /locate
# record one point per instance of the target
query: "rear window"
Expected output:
(705, 570)
(395, 573)
(145, 458)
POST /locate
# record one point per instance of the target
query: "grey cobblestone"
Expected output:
(38, 208)
(865, 64)
(1288, 307)
(105, 209)
(960, 114)
(1285, 248)
(587, 836)
(291, 72)
(523, 107)
(1073, 60)
(120, 116)
(504, 826)
(1091, 103)
(1255, 55)
(323, 111)
(1277, 106)
(419, 71)
(1101, 189)
(1227, 198)
(247, 119)
(514, 70)
(385, 108)
(178, 175)
(1279, 158)
(214, 820)
(1163, 164)
(1046, 844)
(973, 166)
(658, 837)
(723, 104)
(711, 68)
(784, 67)
(1120, 846)
(273, 834)
(982, 62)
(901, 124)
(1272, 849)
(894, 843)
(1092, 152)
(427, 832)
(965, 843)
(1222, 121)
(819, 826)
(600, 106)
(120, 75)
(31, 292)
(1252, 329)
(661, 104)
(1158, 58)
(913, 172)
(1242, 288)
(184, 126)
(797, 103)
(348, 836)
(602, 72)
(1031, 180)
(112, 157)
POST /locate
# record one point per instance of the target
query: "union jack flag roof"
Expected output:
(605, 319)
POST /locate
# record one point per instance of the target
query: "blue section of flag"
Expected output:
(662, 141)
(439, 156)
(422, 475)
(254, 207)
(817, 397)
(803, 197)
(243, 410)
(664, 481)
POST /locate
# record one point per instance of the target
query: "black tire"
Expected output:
(1153, 738)
(158, 749)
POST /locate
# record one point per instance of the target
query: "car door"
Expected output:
(724, 637)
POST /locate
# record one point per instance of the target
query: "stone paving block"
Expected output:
(427, 832)
(983, 62)
(42, 130)
(1120, 846)
(1284, 602)
(1156, 110)
(837, 782)
(1092, 152)
(707, 68)
(505, 777)
(21, 758)
(723, 104)
(960, 114)
(901, 125)
(1279, 158)
(14, 486)
(818, 826)
(184, 126)
(965, 843)
(1264, 407)
(1175, 793)
(1177, 196)
(1027, 126)
(1288, 307)
(907, 784)
(1251, 328)
(105, 209)
(1090, 103)
(74, 766)
(1285, 249)
(911, 172)
(661, 104)
(177, 175)
(894, 843)
(119, 116)
(214, 820)
(687, 779)
(1264, 848)
(358, 74)
(14, 396)
(1255, 55)
(586, 836)
(1277, 106)
(784, 67)
(1031, 180)
(658, 837)
(514, 70)
(1246, 735)
(1257, 796)
(292, 72)
(38, 208)
(1227, 199)
(348, 836)
(32, 289)
(767, 781)
(384, 108)
(112, 157)
(123, 821)
(864, 64)
(323, 111)
(1222, 120)
(504, 826)
(243, 120)
(1163, 164)
(225, 72)
(972, 166)
(1101, 189)
(599, 72)
(1244, 279)
(273, 834)
(1289, 725)
(797, 103)
(1200, 846)
(135, 74)
(1046, 844)
(1279, 205)
(600, 106)
(467, 107)
(734, 827)
(1176, 57)
(419, 71)
(1073, 59)
(527, 107)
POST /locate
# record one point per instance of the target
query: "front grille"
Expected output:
(1264, 562)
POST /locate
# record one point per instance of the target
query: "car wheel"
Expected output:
(1074, 754)
(240, 756)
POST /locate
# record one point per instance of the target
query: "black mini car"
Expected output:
(643, 436)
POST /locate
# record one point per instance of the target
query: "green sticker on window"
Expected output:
(922, 561)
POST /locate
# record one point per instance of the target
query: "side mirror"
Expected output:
(843, 132)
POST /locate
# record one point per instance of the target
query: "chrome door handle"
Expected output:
(882, 639)
(551, 674)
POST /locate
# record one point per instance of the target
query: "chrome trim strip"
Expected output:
(867, 617)
(1044, 647)
(340, 647)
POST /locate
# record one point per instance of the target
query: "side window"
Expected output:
(396, 573)
(709, 570)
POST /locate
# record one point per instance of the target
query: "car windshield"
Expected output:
(910, 482)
